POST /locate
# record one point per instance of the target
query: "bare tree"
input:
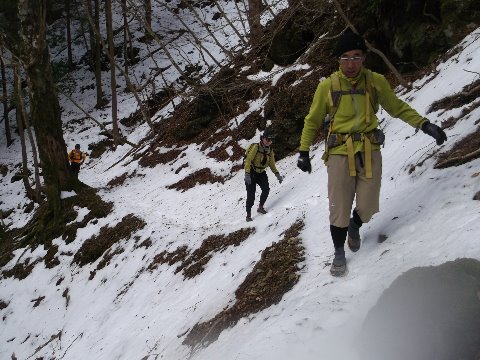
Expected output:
(198, 42)
(28, 43)
(254, 12)
(241, 16)
(369, 46)
(20, 114)
(36, 166)
(207, 28)
(113, 81)
(229, 22)
(97, 36)
(148, 16)
(159, 42)
(69, 35)
(130, 86)
(126, 38)
(22, 119)
(5, 100)
(268, 7)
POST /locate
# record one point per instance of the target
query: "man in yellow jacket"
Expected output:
(349, 99)
(258, 158)
(76, 158)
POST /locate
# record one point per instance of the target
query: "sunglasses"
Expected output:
(352, 58)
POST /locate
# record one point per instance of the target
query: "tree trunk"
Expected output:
(98, 56)
(130, 85)
(113, 81)
(91, 31)
(80, 17)
(38, 187)
(47, 123)
(126, 57)
(69, 35)
(31, 47)
(230, 22)
(241, 16)
(20, 114)
(207, 27)
(254, 12)
(148, 18)
(5, 101)
(192, 33)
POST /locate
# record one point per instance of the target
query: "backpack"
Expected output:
(336, 93)
(334, 97)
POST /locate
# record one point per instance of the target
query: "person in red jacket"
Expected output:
(76, 158)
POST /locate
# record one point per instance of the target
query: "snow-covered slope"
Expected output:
(127, 311)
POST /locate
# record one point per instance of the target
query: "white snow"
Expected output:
(127, 312)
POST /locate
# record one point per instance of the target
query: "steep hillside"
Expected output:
(157, 262)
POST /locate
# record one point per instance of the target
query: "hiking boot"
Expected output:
(339, 263)
(261, 210)
(249, 217)
(353, 239)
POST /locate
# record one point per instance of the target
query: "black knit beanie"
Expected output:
(349, 41)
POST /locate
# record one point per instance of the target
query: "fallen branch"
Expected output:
(458, 160)
(470, 71)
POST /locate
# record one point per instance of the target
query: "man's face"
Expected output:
(351, 62)
(266, 142)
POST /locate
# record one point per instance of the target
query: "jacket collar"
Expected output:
(353, 81)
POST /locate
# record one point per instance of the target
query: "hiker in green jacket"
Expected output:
(347, 101)
(259, 156)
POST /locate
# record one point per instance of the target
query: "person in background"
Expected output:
(344, 105)
(259, 156)
(76, 158)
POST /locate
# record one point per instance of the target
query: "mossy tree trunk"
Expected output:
(5, 101)
(29, 44)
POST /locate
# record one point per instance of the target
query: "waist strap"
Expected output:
(335, 140)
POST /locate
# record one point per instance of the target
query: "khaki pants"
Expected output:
(342, 188)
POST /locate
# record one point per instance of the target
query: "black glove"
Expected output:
(303, 162)
(248, 179)
(434, 131)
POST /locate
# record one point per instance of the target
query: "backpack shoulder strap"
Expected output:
(335, 94)
(371, 89)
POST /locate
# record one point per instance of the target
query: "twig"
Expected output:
(69, 346)
(370, 47)
(122, 140)
(431, 16)
(470, 71)
(53, 337)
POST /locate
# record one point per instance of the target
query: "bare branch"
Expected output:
(121, 139)
(145, 115)
(370, 47)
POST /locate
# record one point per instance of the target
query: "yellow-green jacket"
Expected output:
(351, 116)
(259, 159)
